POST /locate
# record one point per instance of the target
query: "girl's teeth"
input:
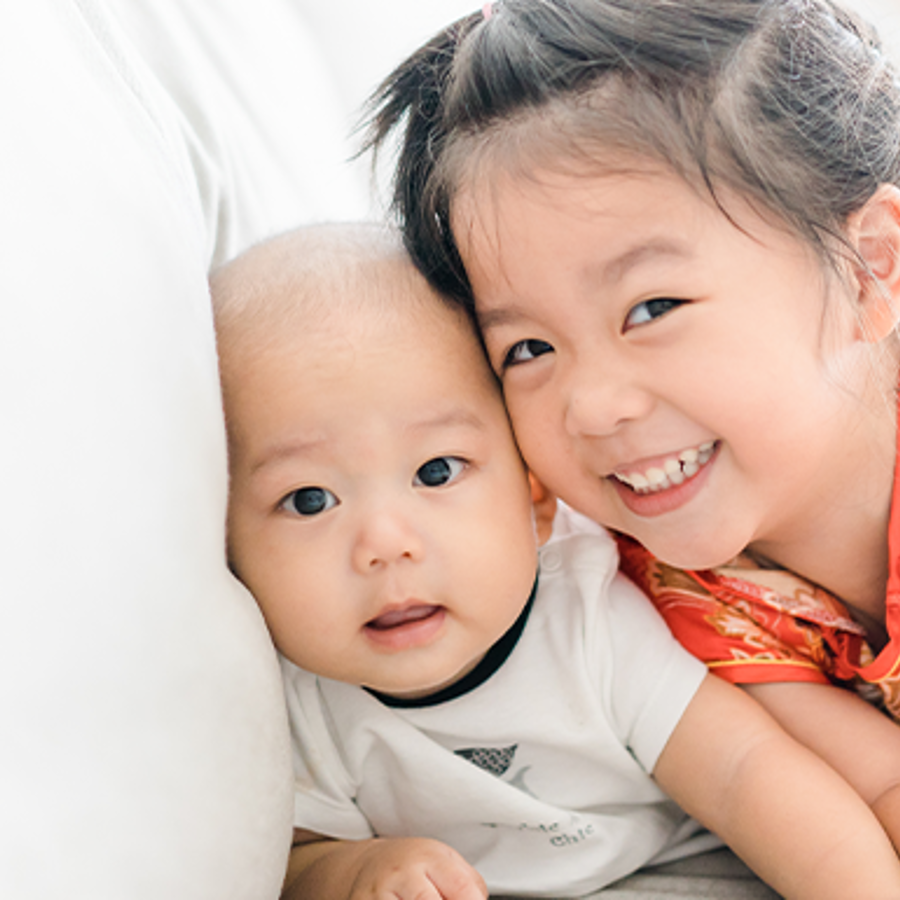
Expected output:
(673, 471)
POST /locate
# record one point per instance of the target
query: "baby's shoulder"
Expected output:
(580, 568)
(579, 544)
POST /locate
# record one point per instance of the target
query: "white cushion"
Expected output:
(144, 750)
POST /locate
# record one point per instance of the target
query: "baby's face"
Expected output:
(379, 510)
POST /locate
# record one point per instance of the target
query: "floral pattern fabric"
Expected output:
(753, 625)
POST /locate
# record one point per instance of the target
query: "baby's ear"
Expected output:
(875, 232)
(544, 504)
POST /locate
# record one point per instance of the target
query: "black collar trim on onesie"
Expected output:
(490, 663)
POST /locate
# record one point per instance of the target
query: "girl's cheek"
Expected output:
(534, 435)
(517, 416)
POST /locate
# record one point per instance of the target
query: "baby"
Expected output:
(471, 714)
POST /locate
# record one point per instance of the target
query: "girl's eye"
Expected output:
(439, 471)
(525, 351)
(649, 310)
(309, 501)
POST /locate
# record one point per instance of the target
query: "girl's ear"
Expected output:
(875, 232)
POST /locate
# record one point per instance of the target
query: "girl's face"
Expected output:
(689, 379)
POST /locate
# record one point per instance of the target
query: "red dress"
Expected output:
(752, 625)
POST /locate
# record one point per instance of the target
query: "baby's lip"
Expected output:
(406, 626)
(397, 616)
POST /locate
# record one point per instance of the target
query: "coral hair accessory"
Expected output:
(487, 11)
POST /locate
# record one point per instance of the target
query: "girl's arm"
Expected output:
(405, 868)
(792, 818)
(859, 742)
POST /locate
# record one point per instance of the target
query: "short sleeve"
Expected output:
(654, 678)
(323, 790)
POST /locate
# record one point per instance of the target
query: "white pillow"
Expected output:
(144, 752)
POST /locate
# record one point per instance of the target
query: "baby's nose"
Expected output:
(385, 537)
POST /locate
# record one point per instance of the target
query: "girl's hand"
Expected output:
(378, 869)
(792, 818)
(858, 741)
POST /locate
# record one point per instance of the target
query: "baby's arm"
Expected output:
(854, 738)
(396, 868)
(780, 807)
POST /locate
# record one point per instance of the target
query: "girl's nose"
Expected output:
(602, 399)
(384, 538)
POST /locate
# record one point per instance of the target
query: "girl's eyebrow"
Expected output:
(607, 272)
(499, 315)
(616, 268)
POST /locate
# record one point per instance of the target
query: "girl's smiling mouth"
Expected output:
(669, 471)
(667, 483)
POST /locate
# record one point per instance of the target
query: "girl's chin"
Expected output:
(687, 554)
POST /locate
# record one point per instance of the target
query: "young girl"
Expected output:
(679, 226)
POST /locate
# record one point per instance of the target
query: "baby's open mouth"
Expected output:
(395, 618)
(669, 472)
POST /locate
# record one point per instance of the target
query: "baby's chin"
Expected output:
(420, 688)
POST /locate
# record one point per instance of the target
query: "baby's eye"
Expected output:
(309, 501)
(525, 351)
(439, 471)
(649, 310)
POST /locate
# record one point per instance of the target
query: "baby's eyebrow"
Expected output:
(299, 448)
(287, 450)
(449, 419)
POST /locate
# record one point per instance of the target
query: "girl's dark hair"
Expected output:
(789, 102)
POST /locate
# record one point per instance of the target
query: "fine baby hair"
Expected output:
(790, 103)
(285, 283)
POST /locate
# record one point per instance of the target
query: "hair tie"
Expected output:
(487, 11)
